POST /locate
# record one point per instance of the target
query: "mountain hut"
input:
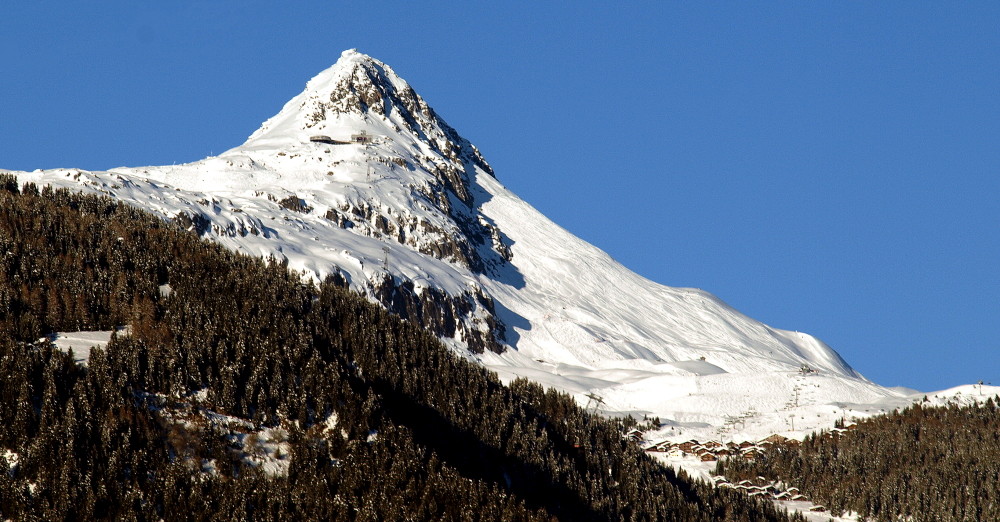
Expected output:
(319, 138)
(362, 138)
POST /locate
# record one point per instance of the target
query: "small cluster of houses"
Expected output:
(714, 450)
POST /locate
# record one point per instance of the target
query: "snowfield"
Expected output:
(418, 203)
(81, 343)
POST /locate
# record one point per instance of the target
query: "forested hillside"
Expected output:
(363, 416)
(923, 463)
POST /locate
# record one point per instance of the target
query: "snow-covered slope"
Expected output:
(414, 217)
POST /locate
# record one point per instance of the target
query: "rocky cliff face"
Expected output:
(360, 92)
(364, 85)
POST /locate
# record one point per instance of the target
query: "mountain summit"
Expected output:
(353, 94)
(358, 179)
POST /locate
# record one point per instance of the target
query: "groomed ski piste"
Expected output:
(358, 176)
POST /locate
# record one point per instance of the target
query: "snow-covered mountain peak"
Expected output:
(347, 88)
(361, 96)
(359, 179)
(360, 149)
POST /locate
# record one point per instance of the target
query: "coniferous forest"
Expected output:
(361, 415)
(937, 464)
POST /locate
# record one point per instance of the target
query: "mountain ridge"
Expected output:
(417, 220)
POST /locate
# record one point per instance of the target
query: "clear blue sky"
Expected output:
(828, 169)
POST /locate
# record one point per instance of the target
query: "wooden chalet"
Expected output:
(751, 454)
(687, 446)
(775, 439)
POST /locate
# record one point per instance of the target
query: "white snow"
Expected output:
(12, 460)
(576, 319)
(81, 343)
